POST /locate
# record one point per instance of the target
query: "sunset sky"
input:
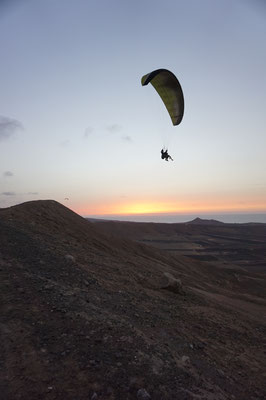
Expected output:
(76, 125)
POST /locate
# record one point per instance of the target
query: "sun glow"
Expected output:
(163, 207)
(143, 208)
(146, 208)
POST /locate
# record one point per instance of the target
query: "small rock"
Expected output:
(70, 258)
(142, 394)
(185, 359)
(171, 283)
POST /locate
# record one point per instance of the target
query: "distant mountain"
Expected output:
(200, 221)
(89, 314)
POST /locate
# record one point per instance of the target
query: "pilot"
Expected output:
(165, 156)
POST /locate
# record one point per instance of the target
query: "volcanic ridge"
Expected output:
(124, 310)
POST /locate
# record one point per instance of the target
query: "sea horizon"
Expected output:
(179, 218)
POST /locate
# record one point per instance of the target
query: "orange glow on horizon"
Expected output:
(137, 208)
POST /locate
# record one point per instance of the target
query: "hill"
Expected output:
(205, 221)
(88, 313)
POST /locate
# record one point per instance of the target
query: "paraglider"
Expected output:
(169, 89)
(165, 156)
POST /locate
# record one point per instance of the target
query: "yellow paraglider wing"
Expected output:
(170, 91)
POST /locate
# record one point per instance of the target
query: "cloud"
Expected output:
(127, 138)
(8, 127)
(88, 132)
(114, 128)
(33, 193)
(8, 173)
(8, 193)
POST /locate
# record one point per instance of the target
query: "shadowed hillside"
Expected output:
(88, 312)
(225, 245)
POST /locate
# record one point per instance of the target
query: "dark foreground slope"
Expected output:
(85, 315)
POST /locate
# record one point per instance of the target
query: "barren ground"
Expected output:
(85, 315)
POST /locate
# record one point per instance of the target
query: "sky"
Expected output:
(76, 126)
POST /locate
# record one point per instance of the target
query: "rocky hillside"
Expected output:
(88, 315)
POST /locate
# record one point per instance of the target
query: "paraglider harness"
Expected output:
(165, 156)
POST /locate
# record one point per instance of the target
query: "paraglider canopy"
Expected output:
(170, 91)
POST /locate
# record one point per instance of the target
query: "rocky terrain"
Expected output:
(114, 311)
(227, 245)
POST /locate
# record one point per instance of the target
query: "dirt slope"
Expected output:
(84, 315)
